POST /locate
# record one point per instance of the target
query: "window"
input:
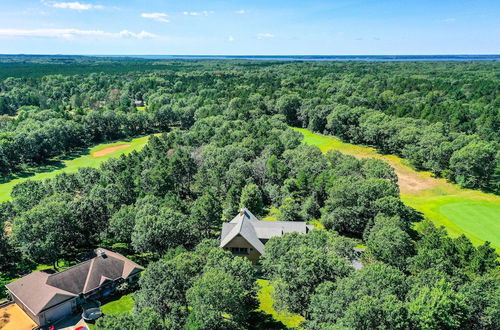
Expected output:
(239, 250)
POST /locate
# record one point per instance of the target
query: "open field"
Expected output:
(461, 211)
(92, 157)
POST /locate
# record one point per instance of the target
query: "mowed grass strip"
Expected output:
(266, 305)
(461, 211)
(104, 152)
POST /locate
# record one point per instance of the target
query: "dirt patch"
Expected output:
(409, 182)
(109, 150)
(13, 318)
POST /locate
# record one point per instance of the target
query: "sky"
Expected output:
(257, 27)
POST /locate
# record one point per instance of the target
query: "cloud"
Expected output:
(261, 36)
(73, 5)
(231, 38)
(449, 20)
(198, 13)
(241, 11)
(72, 33)
(140, 35)
(159, 17)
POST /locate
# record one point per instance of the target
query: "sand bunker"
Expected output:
(109, 150)
(413, 183)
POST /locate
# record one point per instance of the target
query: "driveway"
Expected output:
(72, 323)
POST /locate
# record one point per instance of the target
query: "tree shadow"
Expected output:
(110, 298)
(57, 162)
(50, 165)
(260, 320)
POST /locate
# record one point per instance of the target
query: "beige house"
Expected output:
(246, 235)
(48, 297)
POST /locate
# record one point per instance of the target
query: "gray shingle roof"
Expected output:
(244, 227)
(253, 229)
(244, 214)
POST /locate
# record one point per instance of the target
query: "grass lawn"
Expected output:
(104, 152)
(272, 214)
(117, 306)
(461, 211)
(122, 305)
(266, 305)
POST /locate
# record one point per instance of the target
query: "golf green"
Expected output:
(461, 211)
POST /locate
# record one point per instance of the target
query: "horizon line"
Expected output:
(254, 55)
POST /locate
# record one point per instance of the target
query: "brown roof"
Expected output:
(41, 290)
(35, 294)
(71, 279)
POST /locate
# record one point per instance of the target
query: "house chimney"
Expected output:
(241, 212)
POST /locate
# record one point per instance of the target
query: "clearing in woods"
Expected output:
(461, 211)
(91, 158)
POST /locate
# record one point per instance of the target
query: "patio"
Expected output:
(12, 317)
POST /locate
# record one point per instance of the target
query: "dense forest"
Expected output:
(227, 144)
(447, 114)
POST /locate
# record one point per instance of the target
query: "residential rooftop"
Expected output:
(41, 289)
(257, 232)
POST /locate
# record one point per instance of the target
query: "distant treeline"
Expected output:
(38, 66)
(443, 117)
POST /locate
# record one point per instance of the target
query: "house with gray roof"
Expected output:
(47, 297)
(246, 235)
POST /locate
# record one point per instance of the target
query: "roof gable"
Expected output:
(244, 228)
(244, 214)
(33, 292)
(129, 267)
(56, 299)
(253, 229)
(103, 266)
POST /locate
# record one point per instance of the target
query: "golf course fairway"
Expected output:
(461, 211)
(93, 157)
